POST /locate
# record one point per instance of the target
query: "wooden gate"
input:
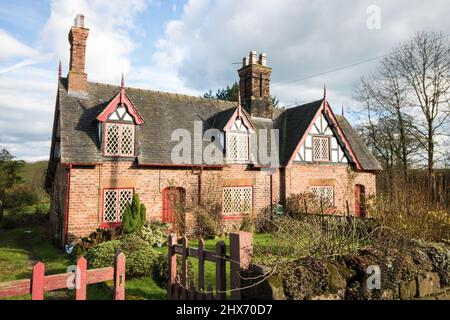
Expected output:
(180, 287)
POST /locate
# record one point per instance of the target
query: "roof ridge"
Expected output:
(173, 94)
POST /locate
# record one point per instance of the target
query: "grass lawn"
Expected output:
(21, 247)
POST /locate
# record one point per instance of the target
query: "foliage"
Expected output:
(154, 233)
(9, 175)
(231, 94)
(139, 255)
(20, 197)
(249, 222)
(160, 270)
(208, 217)
(95, 238)
(24, 220)
(134, 216)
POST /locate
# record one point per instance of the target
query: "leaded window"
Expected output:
(237, 200)
(323, 195)
(119, 139)
(114, 202)
(321, 149)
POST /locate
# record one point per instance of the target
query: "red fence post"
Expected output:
(172, 262)
(119, 276)
(37, 282)
(241, 251)
(221, 271)
(81, 279)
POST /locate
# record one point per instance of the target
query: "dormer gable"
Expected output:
(237, 136)
(121, 108)
(117, 126)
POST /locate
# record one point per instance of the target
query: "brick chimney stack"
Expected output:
(254, 85)
(77, 78)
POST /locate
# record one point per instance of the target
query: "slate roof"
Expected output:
(362, 152)
(164, 112)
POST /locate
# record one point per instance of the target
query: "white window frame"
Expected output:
(241, 157)
(119, 142)
(234, 199)
(327, 140)
(320, 192)
(121, 195)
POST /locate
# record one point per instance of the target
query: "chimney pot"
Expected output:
(79, 21)
(245, 61)
(263, 59)
(253, 57)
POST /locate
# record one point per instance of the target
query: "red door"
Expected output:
(360, 201)
(173, 203)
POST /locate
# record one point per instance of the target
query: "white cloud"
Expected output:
(10, 47)
(109, 42)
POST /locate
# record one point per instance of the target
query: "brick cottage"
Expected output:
(109, 142)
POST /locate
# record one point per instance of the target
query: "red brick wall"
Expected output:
(300, 176)
(87, 184)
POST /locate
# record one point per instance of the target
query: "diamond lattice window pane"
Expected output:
(110, 206)
(125, 196)
(321, 149)
(237, 146)
(112, 139)
(127, 140)
(323, 194)
(237, 200)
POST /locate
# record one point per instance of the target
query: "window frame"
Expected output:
(121, 124)
(321, 137)
(237, 160)
(233, 214)
(325, 186)
(117, 222)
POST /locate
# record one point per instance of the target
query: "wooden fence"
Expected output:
(180, 287)
(40, 283)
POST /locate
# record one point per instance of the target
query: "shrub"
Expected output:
(154, 233)
(208, 217)
(95, 238)
(23, 220)
(139, 255)
(134, 215)
(161, 267)
(102, 255)
(21, 197)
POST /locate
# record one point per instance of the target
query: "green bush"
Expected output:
(133, 216)
(160, 270)
(102, 255)
(23, 220)
(95, 238)
(21, 197)
(154, 233)
(139, 255)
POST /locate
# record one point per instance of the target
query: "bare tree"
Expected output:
(386, 125)
(424, 64)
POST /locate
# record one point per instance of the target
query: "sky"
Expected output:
(191, 46)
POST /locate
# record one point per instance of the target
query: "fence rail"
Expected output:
(180, 287)
(40, 283)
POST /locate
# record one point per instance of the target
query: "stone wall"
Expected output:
(417, 270)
